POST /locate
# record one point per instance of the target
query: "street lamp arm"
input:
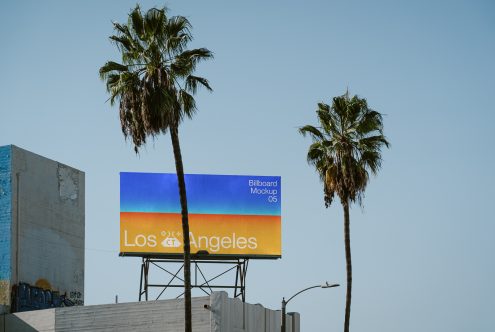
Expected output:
(284, 303)
(293, 296)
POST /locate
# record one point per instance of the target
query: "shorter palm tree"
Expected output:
(346, 147)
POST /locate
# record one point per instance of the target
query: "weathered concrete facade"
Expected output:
(41, 225)
(214, 313)
(5, 225)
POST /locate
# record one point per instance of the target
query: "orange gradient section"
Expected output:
(161, 233)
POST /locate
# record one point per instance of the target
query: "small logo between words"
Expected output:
(171, 242)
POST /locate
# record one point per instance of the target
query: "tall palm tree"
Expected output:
(346, 148)
(154, 86)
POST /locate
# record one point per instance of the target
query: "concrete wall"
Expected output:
(48, 211)
(41, 224)
(167, 315)
(5, 226)
(232, 315)
(214, 313)
(30, 321)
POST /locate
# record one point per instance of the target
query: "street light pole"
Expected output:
(284, 303)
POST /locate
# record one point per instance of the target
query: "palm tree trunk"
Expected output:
(174, 134)
(347, 236)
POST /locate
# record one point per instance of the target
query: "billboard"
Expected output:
(229, 215)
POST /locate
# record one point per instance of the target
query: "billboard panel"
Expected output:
(229, 215)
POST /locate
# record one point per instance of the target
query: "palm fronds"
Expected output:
(346, 146)
(154, 82)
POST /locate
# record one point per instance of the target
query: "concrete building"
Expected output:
(42, 259)
(41, 226)
(214, 313)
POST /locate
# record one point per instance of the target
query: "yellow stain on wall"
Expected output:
(43, 284)
(5, 292)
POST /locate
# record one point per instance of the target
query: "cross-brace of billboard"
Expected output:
(230, 216)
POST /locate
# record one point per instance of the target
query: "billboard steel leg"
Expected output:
(206, 285)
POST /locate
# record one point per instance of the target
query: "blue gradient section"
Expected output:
(208, 194)
(5, 210)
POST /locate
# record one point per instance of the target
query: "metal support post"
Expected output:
(200, 281)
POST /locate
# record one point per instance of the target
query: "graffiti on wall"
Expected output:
(76, 298)
(26, 297)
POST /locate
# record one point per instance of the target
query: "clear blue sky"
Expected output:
(423, 246)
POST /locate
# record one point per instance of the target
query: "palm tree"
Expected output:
(154, 86)
(346, 147)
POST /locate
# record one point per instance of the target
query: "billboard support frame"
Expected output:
(240, 266)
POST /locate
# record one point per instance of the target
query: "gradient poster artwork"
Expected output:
(229, 215)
